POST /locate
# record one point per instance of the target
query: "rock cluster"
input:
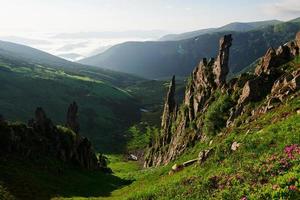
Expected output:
(185, 126)
(269, 79)
(43, 139)
(207, 77)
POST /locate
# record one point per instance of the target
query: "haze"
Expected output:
(85, 27)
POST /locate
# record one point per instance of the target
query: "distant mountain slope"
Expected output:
(18, 53)
(165, 58)
(31, 78)
(235, 26)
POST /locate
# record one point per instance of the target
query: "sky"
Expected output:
(40, 22)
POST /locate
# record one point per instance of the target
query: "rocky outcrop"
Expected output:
(208, 76)
(168, 117)
(269, 83)
(169, 113)
(72, 121)
(41, 123)
(42, 139)
(298, 39)
(221, 68)
(268, 78)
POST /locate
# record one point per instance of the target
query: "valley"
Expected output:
(208, 114)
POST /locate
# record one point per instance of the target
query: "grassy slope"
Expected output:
(259, 169)
(102, 106)
(46, 179)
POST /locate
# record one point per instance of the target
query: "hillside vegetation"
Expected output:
(102, 106)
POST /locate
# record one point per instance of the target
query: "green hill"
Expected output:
(37, 81)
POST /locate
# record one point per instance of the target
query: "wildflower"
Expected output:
(293, 188)
(291, 150)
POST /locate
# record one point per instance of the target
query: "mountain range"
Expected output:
(161, 59)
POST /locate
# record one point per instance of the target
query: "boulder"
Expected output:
(235, 146)
(132, 157)
(203, 155)
(177, 168)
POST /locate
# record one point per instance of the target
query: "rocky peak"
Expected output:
(267, 62)
(72, 119)
(221, 68)
(169, 113)
(298, 39)
(41, 122)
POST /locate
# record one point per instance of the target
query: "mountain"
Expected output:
(226, 140)
(236, 139)
(32, 78)
(235, 26)
(162, 59)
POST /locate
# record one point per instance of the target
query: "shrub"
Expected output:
(141, 137)
(216, 116)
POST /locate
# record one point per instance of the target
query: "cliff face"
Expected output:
(41, 138)
(269, 83)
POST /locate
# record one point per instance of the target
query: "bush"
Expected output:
(141, 137)
(216, 116)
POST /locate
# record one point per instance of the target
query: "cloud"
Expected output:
(70, 47)
(24, 41)
(112, 34)
(283, 8)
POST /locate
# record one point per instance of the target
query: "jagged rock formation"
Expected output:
(298, 39)
(269, 83)
(221, 68)
(267, 73)
(43, 139)
(169, 113)
(72, 121)
(205, 79)
(41, 123)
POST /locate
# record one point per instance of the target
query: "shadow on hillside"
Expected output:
(28, 181)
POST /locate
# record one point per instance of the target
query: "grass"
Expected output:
(259, 169)
(48, 178)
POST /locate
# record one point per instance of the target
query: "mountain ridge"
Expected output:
(162, 59)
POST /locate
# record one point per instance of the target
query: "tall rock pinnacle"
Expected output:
(72, 121)
(298, 39)
(169, 109)
(221, 68)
